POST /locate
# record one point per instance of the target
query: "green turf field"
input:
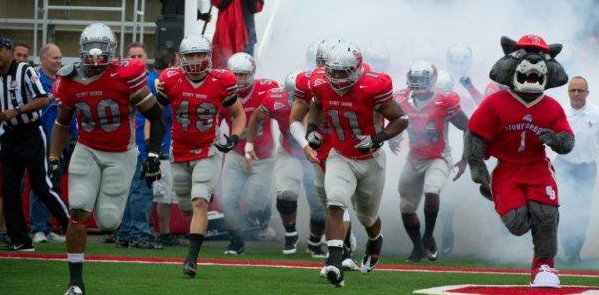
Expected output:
(30, 277)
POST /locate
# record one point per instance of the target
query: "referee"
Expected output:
(23, 146)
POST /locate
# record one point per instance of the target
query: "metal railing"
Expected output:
(137, 25)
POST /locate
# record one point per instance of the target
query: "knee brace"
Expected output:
(517, 221)
(365, 220)
(286, 207)
(108, 218)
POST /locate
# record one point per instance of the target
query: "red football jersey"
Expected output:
(263, 143)
(195, 108)
(428, 123)
(302, 88)
(102, 105)
(276, 105)
(353, 114)
(317, 76)
(510, 126)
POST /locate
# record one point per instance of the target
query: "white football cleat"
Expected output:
(74, 290)
(323, 271)
(349, 264)
(545, 277)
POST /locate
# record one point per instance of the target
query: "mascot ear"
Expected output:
(555, 49)
(508, 45)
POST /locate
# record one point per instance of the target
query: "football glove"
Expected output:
(54, 173)
(151, 168)
(230, 143)
(313, 137)
(369, 144)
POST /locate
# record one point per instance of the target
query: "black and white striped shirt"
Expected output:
(18, 87)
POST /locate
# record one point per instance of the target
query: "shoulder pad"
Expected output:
(221, 73)
(268, 83)
(68, 71)
(401, 95)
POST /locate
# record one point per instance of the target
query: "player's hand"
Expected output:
(151, 169)
(311, 154)
(54, 173)
(548, 137)
(230, 143)
(250, 155)
(159, 85)
(367, 144)
(314, 138)
(466, 82)
(395, 143)
(461, 165)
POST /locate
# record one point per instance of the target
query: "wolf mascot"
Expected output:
(515, 125)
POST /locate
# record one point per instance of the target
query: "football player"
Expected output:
(354, 103)
(291, 166)
(196, 93)
(238, 178)
(303, 97)
(102, 93)
(429, 161)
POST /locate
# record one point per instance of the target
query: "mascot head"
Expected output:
(529, 67)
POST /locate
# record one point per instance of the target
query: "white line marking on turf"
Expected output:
(258, 264)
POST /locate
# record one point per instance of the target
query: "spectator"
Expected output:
(177, 7)
(23, 146)
(21, 51)
(135, 229)
(576, 171)
(235, 29)
(162, 189)
(51, 61)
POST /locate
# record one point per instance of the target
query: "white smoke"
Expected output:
(425, 29)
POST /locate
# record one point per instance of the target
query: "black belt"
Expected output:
(23, 126)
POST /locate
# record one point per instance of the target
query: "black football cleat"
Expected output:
(430, 248)
(189, 268)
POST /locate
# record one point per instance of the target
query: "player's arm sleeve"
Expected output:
(162, 94)
(229, 86)
(452, 104)
(61, 95)
(134, 72)
(384, 90)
